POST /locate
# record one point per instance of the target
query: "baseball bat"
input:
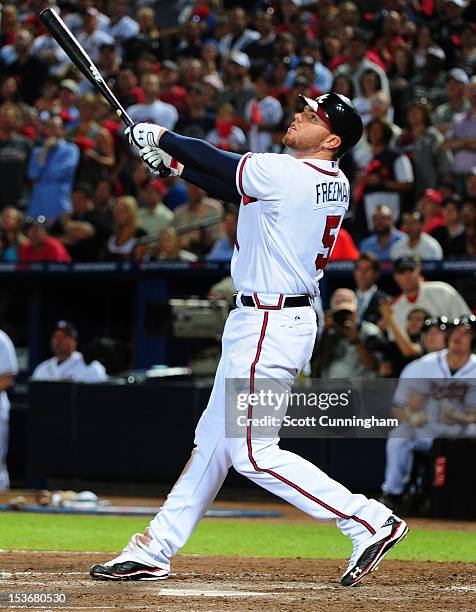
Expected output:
(65, 38)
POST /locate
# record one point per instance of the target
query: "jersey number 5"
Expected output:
(328, 239)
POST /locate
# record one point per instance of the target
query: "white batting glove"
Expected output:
(154, 157)
(142, 135)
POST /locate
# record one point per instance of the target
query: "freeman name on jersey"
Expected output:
(333, 191)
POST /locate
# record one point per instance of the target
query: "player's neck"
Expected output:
(321, 156)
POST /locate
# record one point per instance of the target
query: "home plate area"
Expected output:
(222, 583)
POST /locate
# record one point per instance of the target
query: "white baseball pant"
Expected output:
(257, 343)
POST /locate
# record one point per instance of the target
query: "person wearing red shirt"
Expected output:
(41, 246)
(430, 206)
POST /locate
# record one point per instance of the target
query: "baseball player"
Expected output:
(8, 370)
(68, 363)
(435, 397)
(290, 213)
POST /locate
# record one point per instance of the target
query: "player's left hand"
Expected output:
(154, 157)
(143, 135)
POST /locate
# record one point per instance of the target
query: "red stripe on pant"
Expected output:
(270, 472)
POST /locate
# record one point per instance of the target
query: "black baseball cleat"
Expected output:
(125, 568)
(369, 553)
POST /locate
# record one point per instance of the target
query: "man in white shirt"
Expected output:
(435, 297)
(416, 242)
(68, 364)
(121, 27)
(8, 370)
(153, 109)
(91, 37)
(263, 113)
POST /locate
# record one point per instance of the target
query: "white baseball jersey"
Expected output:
(8, 366)
(73, 369)
(290, 214)
(431, 377)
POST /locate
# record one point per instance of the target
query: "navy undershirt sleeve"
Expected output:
(199, 155)
(215, 187)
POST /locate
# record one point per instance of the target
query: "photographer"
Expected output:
(349, 348)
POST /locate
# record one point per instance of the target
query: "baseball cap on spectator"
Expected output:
(92, 12)
(307, 60)
(343, 299)
(213, 80)
(240, 58)
(168, 65)
(70, 84)
(407, 262)
(436, 52)
(460, 3)
(67, 328)
(459, 75)
(433, 195)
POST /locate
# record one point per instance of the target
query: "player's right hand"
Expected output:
(154, 157)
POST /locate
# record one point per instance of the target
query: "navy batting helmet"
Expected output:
(441, 323)
(340, 116)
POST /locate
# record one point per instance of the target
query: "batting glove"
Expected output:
(142, 135)
(154, 157)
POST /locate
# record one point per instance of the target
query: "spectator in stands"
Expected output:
(123, 242)
(224, 247)
(94, 142)
(171, 91)
(369, 85)
(238, 88)
(68, 95)
(469, 221)
(127, 89)
(435, 297)
(10, 23)
(430, 207)
(451, 235)
(8, 371)
(261, 51)
(263, 113)
(239, 35)
(51, 169)
(154, 216)
(121, 27)
(29, 71)
(461, 136)
(84, 231)
(226, 134)
(14, 153)
(457, 103)
(349, 348)
(153, 110)
(169, 248)
(203, 211)
(430, 81)
(386, 178)
(423, 145)
(147, 39)
(369, 296)
(91, 37)
(405, 345)
(358, 63)
(40, 246)
(385, 233)
(68, 364)
(104, 201)
(416, 242)
(196, 122)
(401, 72)
(11, 234)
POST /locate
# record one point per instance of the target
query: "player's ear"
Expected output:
(333, 142)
